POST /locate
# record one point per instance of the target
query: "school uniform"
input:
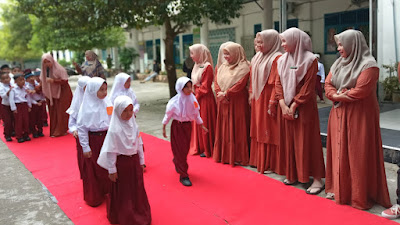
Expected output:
(92, 125)
(183, 109)
(118, 89)
(20, 101)
(127, 202)
(7, 114)
(35, 115)
(73, 116)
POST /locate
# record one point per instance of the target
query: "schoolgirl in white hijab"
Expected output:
(122, 136)
(76, 103)
(92, 114)
(121, 86)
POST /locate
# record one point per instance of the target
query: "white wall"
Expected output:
(388, 24)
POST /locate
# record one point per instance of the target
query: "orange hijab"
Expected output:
(230, 73)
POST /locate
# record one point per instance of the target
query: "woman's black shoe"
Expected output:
(20, 140)
(202, 155)
(27, 138)
(8, 139)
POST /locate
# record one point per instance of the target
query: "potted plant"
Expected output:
(391, 84)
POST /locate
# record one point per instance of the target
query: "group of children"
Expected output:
(23, 105)
(110, 149)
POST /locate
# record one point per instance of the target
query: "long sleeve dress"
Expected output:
(302, 140)
(233, 124)
(355, 170)
(264, 129)
(201, 141)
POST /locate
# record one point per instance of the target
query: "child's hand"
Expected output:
(113, 177)
(50, 80)
(29, 109)
(39, 104)
(87, 154)
(75, 133)
(15, 111)
(144, 168)
(164, 132)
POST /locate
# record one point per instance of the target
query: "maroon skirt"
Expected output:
(95, 178)
(127, 202)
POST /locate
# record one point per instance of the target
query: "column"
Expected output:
(162, 47)
(181, 50)
(204, 32)
(267, 15)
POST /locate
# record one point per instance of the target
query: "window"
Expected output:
(338, 22)
(149, 49)
(257, 28)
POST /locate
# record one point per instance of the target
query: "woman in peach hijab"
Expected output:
(264, 124)
(202, 77)
(232, 130)
(55, 87)
(355, 173)
(295, 90)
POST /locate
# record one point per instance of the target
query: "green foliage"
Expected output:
(126, 57)
(15, 35)
(391, 83)
(79, 57)
(64, 62)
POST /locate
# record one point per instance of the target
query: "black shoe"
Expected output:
(45, 124)
(8, 139)
(27, 138)
(185, 181)
(35, 135)
(202, 155)
(20, 140)
(40, 134)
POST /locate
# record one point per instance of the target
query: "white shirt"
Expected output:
(321, 72)
(19, 95)
(4, 88)
(35, 97)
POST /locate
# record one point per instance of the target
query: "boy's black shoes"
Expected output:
(35, 135)
(8, 139)
(20, 140)
(40, 134)
(185, 181)
(27, 138)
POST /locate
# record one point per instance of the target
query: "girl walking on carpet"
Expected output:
(93, 122)
(120, 155)
(73, 111)
(183, 108)
(121, 86)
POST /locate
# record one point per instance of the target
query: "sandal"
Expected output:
(319, 189)
(287, 182)
(330, 196)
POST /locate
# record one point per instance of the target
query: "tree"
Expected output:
(127, 55)
(175, 16)
(15, 36)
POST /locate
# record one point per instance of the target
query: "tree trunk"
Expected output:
(169, 58)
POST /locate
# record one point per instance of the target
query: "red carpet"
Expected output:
(220, 194)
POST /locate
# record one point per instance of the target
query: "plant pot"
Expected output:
(396, 96)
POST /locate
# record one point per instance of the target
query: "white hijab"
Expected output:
(122, 136)
(119, 89)
(78, 97)
(93, 112)
(184, 106)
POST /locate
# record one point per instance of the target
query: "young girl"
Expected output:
(233, 116)
(73, 111)
(183, 108)
(202, 78)
(295, 90)
(264, 124)
(128, 203)
(121, 86)
(93, 121)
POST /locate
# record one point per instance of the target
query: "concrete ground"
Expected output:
(23, 199)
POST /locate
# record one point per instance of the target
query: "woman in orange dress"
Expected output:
(202, 77)
(232, 129)
(264, 124)
(295, 90)
(355, 173)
